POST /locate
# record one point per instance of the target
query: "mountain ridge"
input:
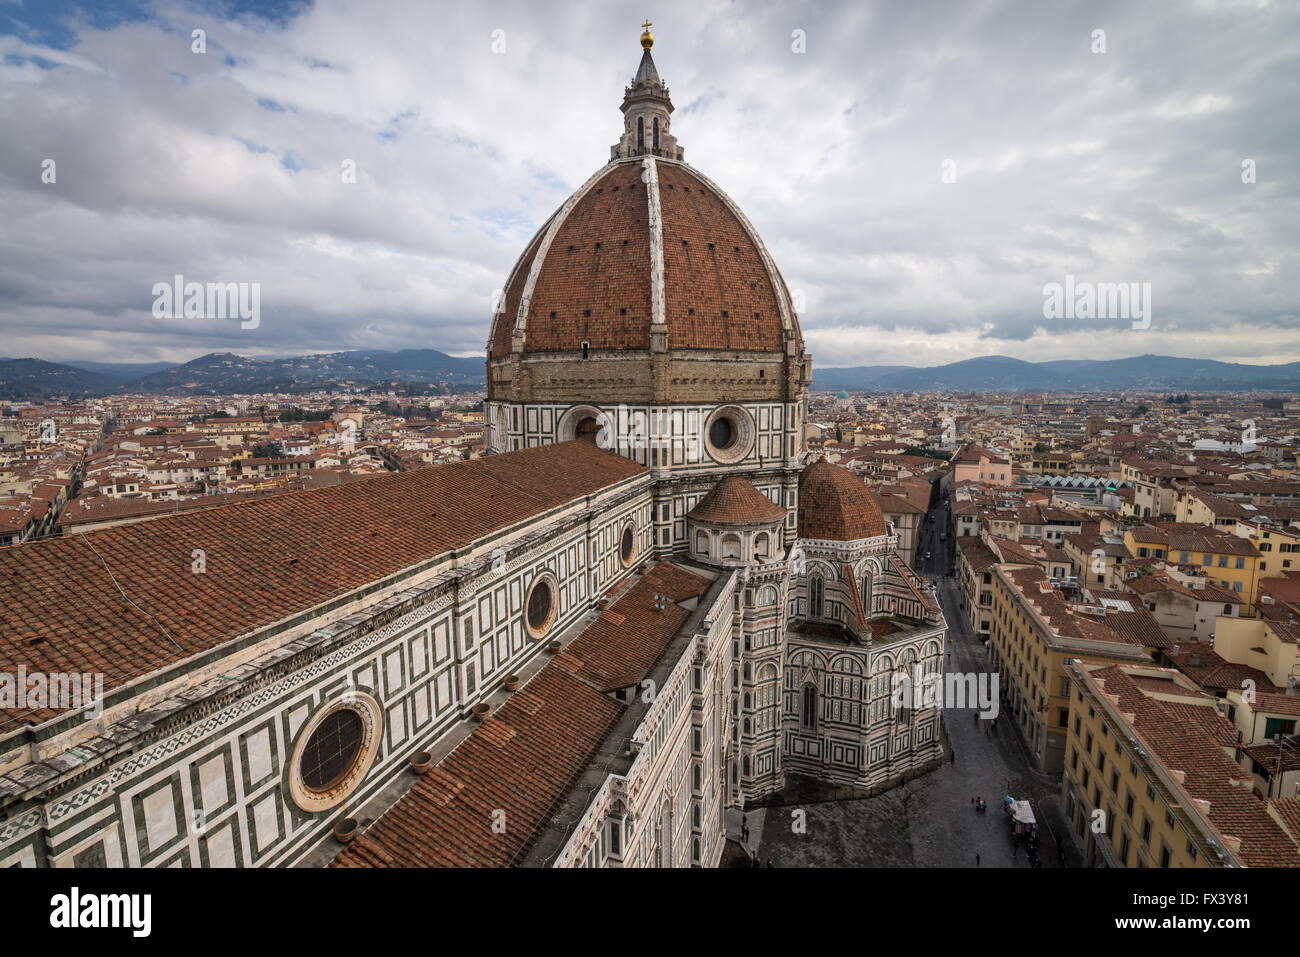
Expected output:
(219, 373)
(1005, 374)
(224, 373)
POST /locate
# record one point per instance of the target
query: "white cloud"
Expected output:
(1116, 167)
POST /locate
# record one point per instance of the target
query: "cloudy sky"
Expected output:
(225, 165)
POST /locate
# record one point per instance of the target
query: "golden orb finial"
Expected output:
(647, 38)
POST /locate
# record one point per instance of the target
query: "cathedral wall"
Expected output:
(658, 436)
(668, 806)
(759, 651)
(222, 785)
(848, 730)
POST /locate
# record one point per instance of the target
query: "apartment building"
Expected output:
(1151, 781)
(1222, 557)
(1036, 628)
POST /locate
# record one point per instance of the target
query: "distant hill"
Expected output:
(121, 371)
(1004, 374)
(222, 373)
(32, 379)
(225, 372)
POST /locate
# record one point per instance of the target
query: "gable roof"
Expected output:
(123, 601)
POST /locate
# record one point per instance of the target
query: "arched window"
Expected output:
(866, 592)
(731, 546)
(656, 133)
(640, 132)
(815, 595)
(808, 713)
(762, 545)
(702, 543)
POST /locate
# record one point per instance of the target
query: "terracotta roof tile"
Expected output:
(835, 505)
(524, 759)
(124, 600)
(733, 501)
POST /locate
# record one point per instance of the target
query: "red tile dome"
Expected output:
(835, 505)
(733, 501)
(591, 274)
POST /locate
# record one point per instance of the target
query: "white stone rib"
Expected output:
(521, 321)
(650, 174)
(505, 290)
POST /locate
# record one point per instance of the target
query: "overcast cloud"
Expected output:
(1123, 166)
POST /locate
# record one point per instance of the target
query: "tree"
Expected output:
(267, 450)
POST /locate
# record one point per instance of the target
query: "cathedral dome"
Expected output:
(647, 285)
(638, 247)
(835, 505)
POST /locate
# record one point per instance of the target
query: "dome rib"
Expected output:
(534, 271)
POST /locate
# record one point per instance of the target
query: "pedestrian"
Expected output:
(995, 724)
(769, 862)
(977, 860)
(976, 716)
(1014, 847)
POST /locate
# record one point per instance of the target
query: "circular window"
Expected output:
(722, 434)
(729, 434)
(334, 752)
(539, 609)
(627, 547)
